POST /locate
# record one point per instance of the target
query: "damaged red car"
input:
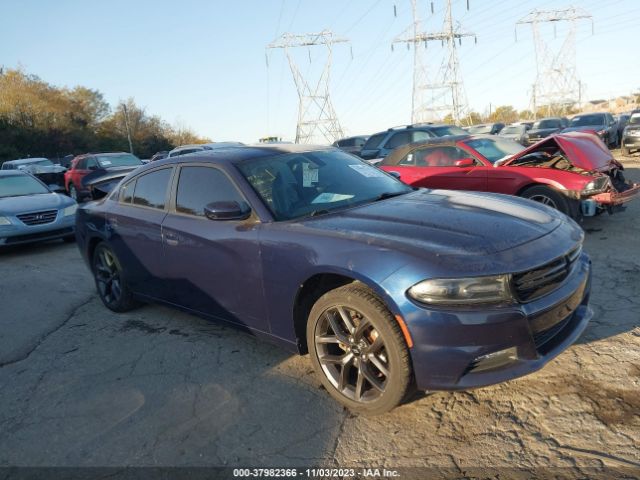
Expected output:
(573, 172)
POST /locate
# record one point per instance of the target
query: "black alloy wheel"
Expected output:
(111, 286)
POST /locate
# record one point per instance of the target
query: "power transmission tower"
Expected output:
(445, 94)
(557, 86)
(317, 119)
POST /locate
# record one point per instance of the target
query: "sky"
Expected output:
(203, 63)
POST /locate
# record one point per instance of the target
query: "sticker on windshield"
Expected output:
(330, 197)
(105, 163)
(367, 171)
(309, 175)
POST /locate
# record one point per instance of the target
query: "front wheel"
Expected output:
(112, 288)
(547, 196)
(358, 350)
(625, 151)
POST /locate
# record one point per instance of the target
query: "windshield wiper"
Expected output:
(318, 212)
(385, 195)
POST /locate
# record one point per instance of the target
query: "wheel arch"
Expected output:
(320, 283)
(542, 182)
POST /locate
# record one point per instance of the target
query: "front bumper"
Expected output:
(19, 233)
(609, 199)
(631, 141)
(451, 346)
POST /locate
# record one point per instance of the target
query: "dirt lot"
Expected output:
(80, 385)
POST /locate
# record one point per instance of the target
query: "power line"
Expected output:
(431, 99)
(317, 119)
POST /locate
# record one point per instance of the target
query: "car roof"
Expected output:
(232, 155)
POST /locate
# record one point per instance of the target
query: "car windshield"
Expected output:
(586, 120)
(635, 119)
(312, 183)
(18, 185)
(547, 124)
(479, 129)
(124, 160)
(512, 130)
(447, 130)
(494, 149)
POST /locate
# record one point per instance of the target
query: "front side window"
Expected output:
(151, 189)
(91, 164)
(199, 186)
(305, 184)
(398, 139)
(374, 141)
(444, 156)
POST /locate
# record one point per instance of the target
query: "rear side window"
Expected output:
(374, 141)
(398, 139)
(151, 189)
(359, 142)
(199, 186)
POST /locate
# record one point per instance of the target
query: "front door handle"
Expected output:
(171, 239)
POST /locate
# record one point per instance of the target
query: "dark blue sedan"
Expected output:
(386, 287)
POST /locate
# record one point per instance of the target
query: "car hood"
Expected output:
(541, 131)
(584, 128)
(443, 222)
(33, 203)
(583, 150)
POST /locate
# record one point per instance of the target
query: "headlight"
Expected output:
(70, 210)
(601, 132)
(462, 291)
(597, 185)
(4, 221)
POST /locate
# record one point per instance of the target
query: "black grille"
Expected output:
(542, 280)
(38, 218)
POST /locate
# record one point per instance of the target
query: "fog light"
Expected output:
(494, 360)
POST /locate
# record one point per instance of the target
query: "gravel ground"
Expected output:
(81, 386)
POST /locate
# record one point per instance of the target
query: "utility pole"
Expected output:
(126, 122)
(445, 95)
(556, 84)
(317, 119)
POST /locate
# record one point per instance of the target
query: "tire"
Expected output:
(69, 238)
(367, 367)
(625, 151)
(547, 196)
(112, 289)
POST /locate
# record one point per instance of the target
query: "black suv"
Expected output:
(544, 127)
(631, 134)
(381, 144)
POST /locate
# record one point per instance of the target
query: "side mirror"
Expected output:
(227, 210)
(395, 174)
(465, 162)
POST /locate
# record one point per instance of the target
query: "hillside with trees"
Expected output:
(41, 120)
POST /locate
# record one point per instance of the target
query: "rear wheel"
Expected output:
(112, 288)
(547, 196)
(358, 350)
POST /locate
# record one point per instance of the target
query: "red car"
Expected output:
(574, 172)
(83, 165)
